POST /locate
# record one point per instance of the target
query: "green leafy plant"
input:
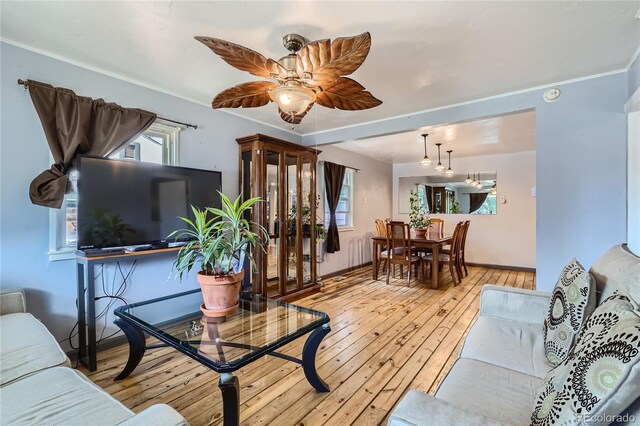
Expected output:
(418, 218)
(220, 238)
(455, 206)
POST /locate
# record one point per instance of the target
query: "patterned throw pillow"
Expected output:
(572, 300)
(601, 376)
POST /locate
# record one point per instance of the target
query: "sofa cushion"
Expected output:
(27, 347)
(515, 345)
(601, 376)
(617, 269)
(572, 300)
(495, 392)
(59, 396)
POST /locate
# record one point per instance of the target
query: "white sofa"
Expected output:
(37, 385)
(502, 362)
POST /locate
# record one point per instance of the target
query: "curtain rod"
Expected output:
(348, 167)
(25, 83)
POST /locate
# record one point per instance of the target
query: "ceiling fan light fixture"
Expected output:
(292, 99)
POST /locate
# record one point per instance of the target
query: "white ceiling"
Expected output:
(423, 55)
(495, 135)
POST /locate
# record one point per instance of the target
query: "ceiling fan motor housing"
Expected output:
(293, 42)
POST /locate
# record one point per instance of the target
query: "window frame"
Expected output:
(58, 250)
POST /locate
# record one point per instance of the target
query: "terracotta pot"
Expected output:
(220, 293)
(421, 232)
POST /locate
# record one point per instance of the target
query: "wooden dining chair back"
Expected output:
(451, 256)
(461, 249)
(437, 225)
(381, 228)
(398, 250)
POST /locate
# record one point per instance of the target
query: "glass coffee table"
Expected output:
(259, 327)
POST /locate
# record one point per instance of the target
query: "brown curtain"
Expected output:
(333, 179)
(76, 125)
(476, 201)
(429, 193)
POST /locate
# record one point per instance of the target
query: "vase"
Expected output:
(220, 293)
(421, 232)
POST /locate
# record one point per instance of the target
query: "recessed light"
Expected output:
(552, 94)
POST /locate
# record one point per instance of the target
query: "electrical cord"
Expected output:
(114, 295)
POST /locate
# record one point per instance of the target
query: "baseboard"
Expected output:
(345, 270)
(512, 268)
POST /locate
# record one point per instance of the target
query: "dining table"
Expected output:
(432, 240)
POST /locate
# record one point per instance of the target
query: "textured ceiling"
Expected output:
(495, 135)
(423, 54)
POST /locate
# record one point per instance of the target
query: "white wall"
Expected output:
(372, 200)
(633, 183)
(507, 238)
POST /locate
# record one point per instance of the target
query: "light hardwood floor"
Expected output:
(384, 340)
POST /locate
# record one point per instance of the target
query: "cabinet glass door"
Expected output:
(293, 216)
(308, 221)
(272, 224)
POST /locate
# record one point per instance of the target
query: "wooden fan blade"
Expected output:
(326, 61)
(246, 95)
(294, 119)
(346, 94)
(243, 58)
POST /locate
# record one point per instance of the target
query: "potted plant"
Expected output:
(221, 239)
(418, 218)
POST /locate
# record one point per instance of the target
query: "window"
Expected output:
(489, 206)
(158, 144)
(344, 211)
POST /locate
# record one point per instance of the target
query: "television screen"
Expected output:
(125, 203)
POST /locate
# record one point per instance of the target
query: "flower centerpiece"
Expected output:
(418, 216)
(220, 240)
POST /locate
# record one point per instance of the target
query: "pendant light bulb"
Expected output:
(479, 183)
(440, 167)
(468, 179)
(449, 172)
(426, 161)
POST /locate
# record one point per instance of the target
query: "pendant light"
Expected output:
(494, 189)
(439, 167)
(468, 179)
(449, 171)
(479, 184)
(473, 181)
(426, 161)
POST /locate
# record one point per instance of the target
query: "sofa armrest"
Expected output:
(420, 409)
(12, 302)
(514, 304)
(157, 415)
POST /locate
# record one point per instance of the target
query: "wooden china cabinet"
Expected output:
(283, 174)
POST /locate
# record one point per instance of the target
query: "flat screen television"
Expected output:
(126, 203)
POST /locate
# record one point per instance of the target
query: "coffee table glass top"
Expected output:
(259, 326)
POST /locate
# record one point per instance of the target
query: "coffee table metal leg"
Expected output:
(230, 388)
(309, 358)
(137, 346)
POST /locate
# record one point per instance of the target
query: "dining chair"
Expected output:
(399, 251)
(381, 231)
(437, 225)
(461, 258)
(451, 257)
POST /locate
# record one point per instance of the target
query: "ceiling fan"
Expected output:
(310, 73)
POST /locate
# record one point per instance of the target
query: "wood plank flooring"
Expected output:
(384, 340)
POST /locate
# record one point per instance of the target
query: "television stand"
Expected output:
(85, 267)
